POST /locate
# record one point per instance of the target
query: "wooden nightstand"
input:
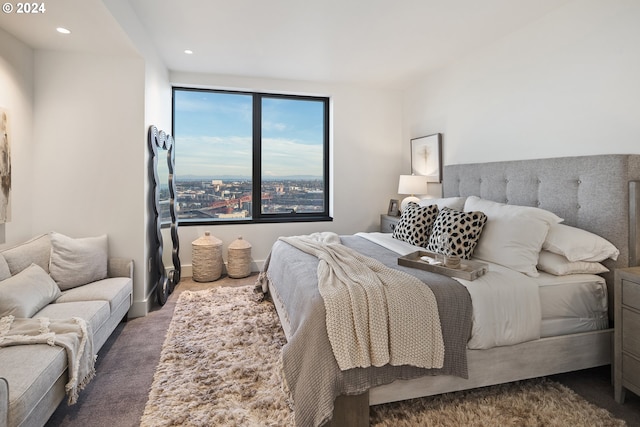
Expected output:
(627, 332)
(388, 223)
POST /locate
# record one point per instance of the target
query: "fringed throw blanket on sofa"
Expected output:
(375, 315)
(71, 334)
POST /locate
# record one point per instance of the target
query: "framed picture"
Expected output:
(394, 208)
(426, 157)
(5, 167)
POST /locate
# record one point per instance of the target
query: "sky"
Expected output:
(213, 134)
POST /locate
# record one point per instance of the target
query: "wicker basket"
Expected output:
(207, 258)
(239, 259)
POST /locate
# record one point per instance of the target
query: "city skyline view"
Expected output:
(218, 133)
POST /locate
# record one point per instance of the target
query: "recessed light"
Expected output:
(63, 30)
(188, 52)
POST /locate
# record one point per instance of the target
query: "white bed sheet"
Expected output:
(506, 303)
(510, 307)
(572, 304)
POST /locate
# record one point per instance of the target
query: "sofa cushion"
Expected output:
(115, 290)
(5, 273)
(30, 370)
(95, 313)
(27, 292)
(34, 251)
(76, 262)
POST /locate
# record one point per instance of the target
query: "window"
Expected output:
(250, 157)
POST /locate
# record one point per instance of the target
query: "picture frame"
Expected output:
(5, 167)
(426, 157)
(394, 208)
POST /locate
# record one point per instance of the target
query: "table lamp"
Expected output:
(412, 185)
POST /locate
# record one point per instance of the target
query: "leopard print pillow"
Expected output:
(415, 224)
(456, 233)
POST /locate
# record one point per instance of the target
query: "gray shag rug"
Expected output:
(220, 365)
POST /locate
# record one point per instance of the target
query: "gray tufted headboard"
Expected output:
(589, 192)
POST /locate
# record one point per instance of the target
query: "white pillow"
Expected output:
(561, 266)
(5, 272)
(513, 235)
(456, 203)
(76, 262)
(577, 244)
(25, 293)
(34, 251)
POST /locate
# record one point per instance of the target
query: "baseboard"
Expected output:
(187, 269)
(142, 308)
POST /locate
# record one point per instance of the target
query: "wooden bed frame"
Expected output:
(589, 192)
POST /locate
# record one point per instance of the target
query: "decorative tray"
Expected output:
(468, 270)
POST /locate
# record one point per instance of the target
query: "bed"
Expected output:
(594, 193)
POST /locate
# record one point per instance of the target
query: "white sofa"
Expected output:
(56, 277)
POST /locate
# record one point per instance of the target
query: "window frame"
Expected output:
(256, 209)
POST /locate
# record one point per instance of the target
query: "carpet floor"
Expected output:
(127, 363)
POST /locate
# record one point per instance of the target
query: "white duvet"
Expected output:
(506, 303)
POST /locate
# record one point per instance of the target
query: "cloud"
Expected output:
(233, 156)
(273, 126)
(288, 157)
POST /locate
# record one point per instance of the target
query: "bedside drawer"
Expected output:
(388, 223)
(631, 294)
(630, 328)
(631, 369)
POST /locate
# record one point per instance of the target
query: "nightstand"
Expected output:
(627, 332)
(388, 223)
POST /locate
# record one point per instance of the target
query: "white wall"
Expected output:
(565, 85)
(365, 153)
(16, 95)
(88, 155)
(157, 112)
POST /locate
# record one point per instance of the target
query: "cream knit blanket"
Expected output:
(71, 334)
(375, 315)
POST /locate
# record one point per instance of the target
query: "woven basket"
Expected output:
(207, 258)
(239, 259)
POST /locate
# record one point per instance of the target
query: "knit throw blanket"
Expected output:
(375, 315)
(71, 334)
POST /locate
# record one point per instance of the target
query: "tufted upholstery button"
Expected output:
(539, 182)
(538, 203)
(578, 206)
(579, 182)
(506, 180)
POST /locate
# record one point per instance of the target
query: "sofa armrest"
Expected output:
(120, 267)
(4, 402)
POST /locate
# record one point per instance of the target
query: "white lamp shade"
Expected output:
(413, 184)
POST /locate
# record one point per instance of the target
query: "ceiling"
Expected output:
(371, 42)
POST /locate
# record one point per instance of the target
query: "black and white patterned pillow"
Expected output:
(415, 224)
(456, 233)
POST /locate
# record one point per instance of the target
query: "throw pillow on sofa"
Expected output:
(36, 250)
(76, 262)
(25, 293)
(5, 272)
